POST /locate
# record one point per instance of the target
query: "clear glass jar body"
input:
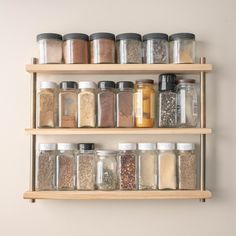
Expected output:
(187, 105)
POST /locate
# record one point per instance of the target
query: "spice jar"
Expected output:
(167, 101)
(86, 167)
(68, 104)
(127, 166)
(144, 103)
(129, 48)
(106, 107)
(124, 104)
(187, 166)
(87, 104)
(66, 166)
(147, 162)
(156, 48)
(182, 48)
(46, 167)
(187, 103)
(102, 48)
(47, 105)
(76, 48)
(166, 166)
(106, 170)
(50, 48)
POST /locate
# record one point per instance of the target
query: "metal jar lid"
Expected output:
(127, 146)
(125, 85)
(47, 85)
(106, 84)
(182, 36)
(49, 36)
(125, 36)
(147, 146)
(66, 146)
(68, 85)
(155, 36)
(102, 35)
(185, 146)
(76, 36)
(87, 85)
(86, 146)
(47, 146)
(165, 146)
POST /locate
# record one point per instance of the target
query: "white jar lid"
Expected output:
(165, 146)
(127, 146)
(66, 146)
(87, 84)
(47, 146)
(106, 152)
(185, 146)
(147, 146)
(47, 85)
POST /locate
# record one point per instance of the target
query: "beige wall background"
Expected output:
(214, 24)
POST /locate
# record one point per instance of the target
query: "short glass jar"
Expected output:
(106, 104)
(46, 167)
(144, 103)
(50, 48)
(156, 48)
(76, 48)
(124, 104)
(129, 48)
(127, 160)
(87, 104)
(106, 170)
(68, 104)
(102, 48)
(182, 48)
(47, 105)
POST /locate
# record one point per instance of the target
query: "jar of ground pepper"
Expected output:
(102, 48)
(76, 48)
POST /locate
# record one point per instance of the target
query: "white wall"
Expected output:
(214, 24)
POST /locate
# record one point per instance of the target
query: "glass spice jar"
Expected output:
(167, 101)
(144, 103)
(147, 163)
(182, 48)
(86, 167)
(187, 166)
(124, 104)
(76, 48)
(129, 48)
(47, 105)
(127, 160)
(46, 167)
(50, 48)
(102, 48)
(156, 48)
(66, 166)
(106, 104)
(106, 170)
(87, 104)
(187, 103)
(68, 104)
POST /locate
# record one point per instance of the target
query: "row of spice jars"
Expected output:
(127, 48)
(67, 166)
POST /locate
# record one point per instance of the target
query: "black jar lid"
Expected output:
(68, 85)
(49, 36)
(167, 82)
(134, 36)
(86, 146)
(182, 36)
(106, 84)
(155, 36)
(102, 35)
(125, 85)
(182, 80)
(76, 36)
(147, 81)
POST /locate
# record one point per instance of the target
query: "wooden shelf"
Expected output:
(117, 68)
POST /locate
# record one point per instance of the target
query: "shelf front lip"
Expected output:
(117, 68)
(118, 195)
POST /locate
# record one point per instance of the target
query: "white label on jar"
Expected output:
(195, 107)
(99, 172)
(138, 104)
(182, 106)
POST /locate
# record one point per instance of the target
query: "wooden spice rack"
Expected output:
(200, 69)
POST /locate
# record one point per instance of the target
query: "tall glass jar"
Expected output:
(87, 104)
(86, 167)
(167, 101)
(166, 166)
(124, 104)
(187, 166)
(144, 103)
(127, 166)
(182, 48)
(156, 48)
(68, 104)
(66, 166)
(46, 167)
(106, 104)
(129, 48)
(102, 48)
(147, 162)
(187, 103)
(47, 105)
(106, 170)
